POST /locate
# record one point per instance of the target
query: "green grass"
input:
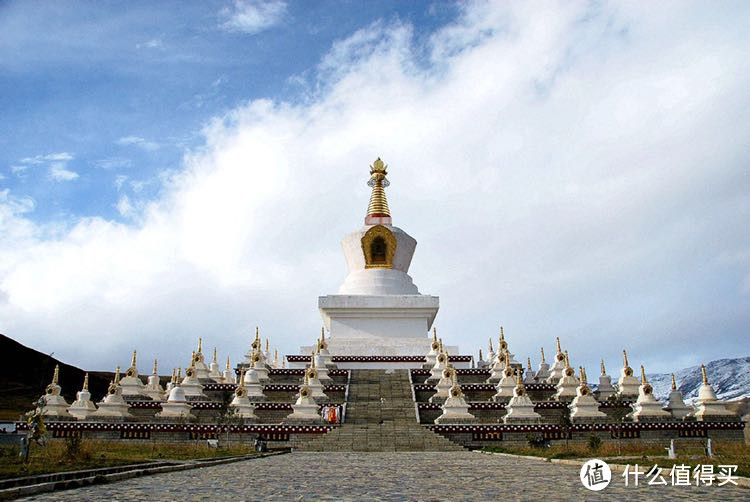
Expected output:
(57, 456)
(725, 453)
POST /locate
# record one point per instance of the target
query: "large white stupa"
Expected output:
(378, 310)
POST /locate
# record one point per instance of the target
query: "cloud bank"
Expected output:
(577, 171)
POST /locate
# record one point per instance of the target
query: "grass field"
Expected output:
(725, 453)
(58, 456)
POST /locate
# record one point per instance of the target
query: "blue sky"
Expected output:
(572, 169)
(124, 88)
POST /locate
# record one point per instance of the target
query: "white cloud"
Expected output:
(113, 163)
(15, 169)
(58, 172)
(253, 16)
(124, 207)
(576, 172)
(154, 43)
(119, 180)
(139, 142)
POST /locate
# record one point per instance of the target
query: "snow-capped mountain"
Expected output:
(730, 379)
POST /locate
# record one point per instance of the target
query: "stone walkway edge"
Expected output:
(25, 491)
(742, 481)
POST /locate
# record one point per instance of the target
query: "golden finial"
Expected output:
(229, 366)
(528, 362)
(307, 378)
(156, 367)
(268, 346)
(378, 204)
(56, 374)
(674, 383)
(643, 376)
(491, 345)
(276, 357)
(625, 359)
(252, 362)
(543, 355)
(257, 333)
(312, 360)
(704, 374)
(117, 376)
(241, 382)
(434, 334)
(179, 373)
(557, 344)
(174, 375)
(216, 356)
(604, 370)
(502, 333)
(283, 363)
(86, 381)
(567, 360)
(480, 354)
(132, 361)
(200, 344)
(582, 375)
(441, 344)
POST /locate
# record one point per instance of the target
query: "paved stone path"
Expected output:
(384, 476)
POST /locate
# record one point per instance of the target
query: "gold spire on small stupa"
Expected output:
(117, 376)
(132, 361)
(543, 355)
(604, 370)
(491, 345)
(557, 345)
(625, 363)
(704, 374)
(216, 356)
(86, 381)
(174, 375)
(480, 354)
(643, 376)
(56, 374)
(582, 375)
(528, 363)
(378, 203)
(241, 381)
(276, 357)
(674, 383)
(229, 365)
(268, 346)
(156, 367)
(200, 344)
(434, 334)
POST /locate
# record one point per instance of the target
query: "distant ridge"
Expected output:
(25, 372)
(730, 379)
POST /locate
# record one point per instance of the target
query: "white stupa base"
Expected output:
(55, 406)
(175, 410)
(378, 325)
(112, 409)
(585, 409)
(713, 411)
(304, 413)
(244, 409)
(520, 410)
(456, 411)
(649, 412)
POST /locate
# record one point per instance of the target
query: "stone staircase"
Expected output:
(380, 416)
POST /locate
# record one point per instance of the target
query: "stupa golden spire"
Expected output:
(378, 203)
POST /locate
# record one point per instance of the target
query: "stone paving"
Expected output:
(384, 476)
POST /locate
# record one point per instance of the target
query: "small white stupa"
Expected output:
(443, 386)
(627, 385)
(455, 409)
(320, 366)
(676, 405)
(497, 370)
(567, 386)
(131, 384)
(328, 360)
(82, 408)
(113, 406)
(605, 389)
(54, 404)
(490, 355)
(199, 364)
(558, 368)
(708, 406)
(176, 405)
(305, 410)
(481, 363)
(584, 407)
(257, 362)
(520, 409)
(252, 385)
(214, 372)
(441, 362)
(431, 356)
(241, 401)
(229, 373)
(529, 376)
(507, 383)
(313, 383)
(170, 385)
(647, 408)
(154, 389)
(542, 374)
(191, 385)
